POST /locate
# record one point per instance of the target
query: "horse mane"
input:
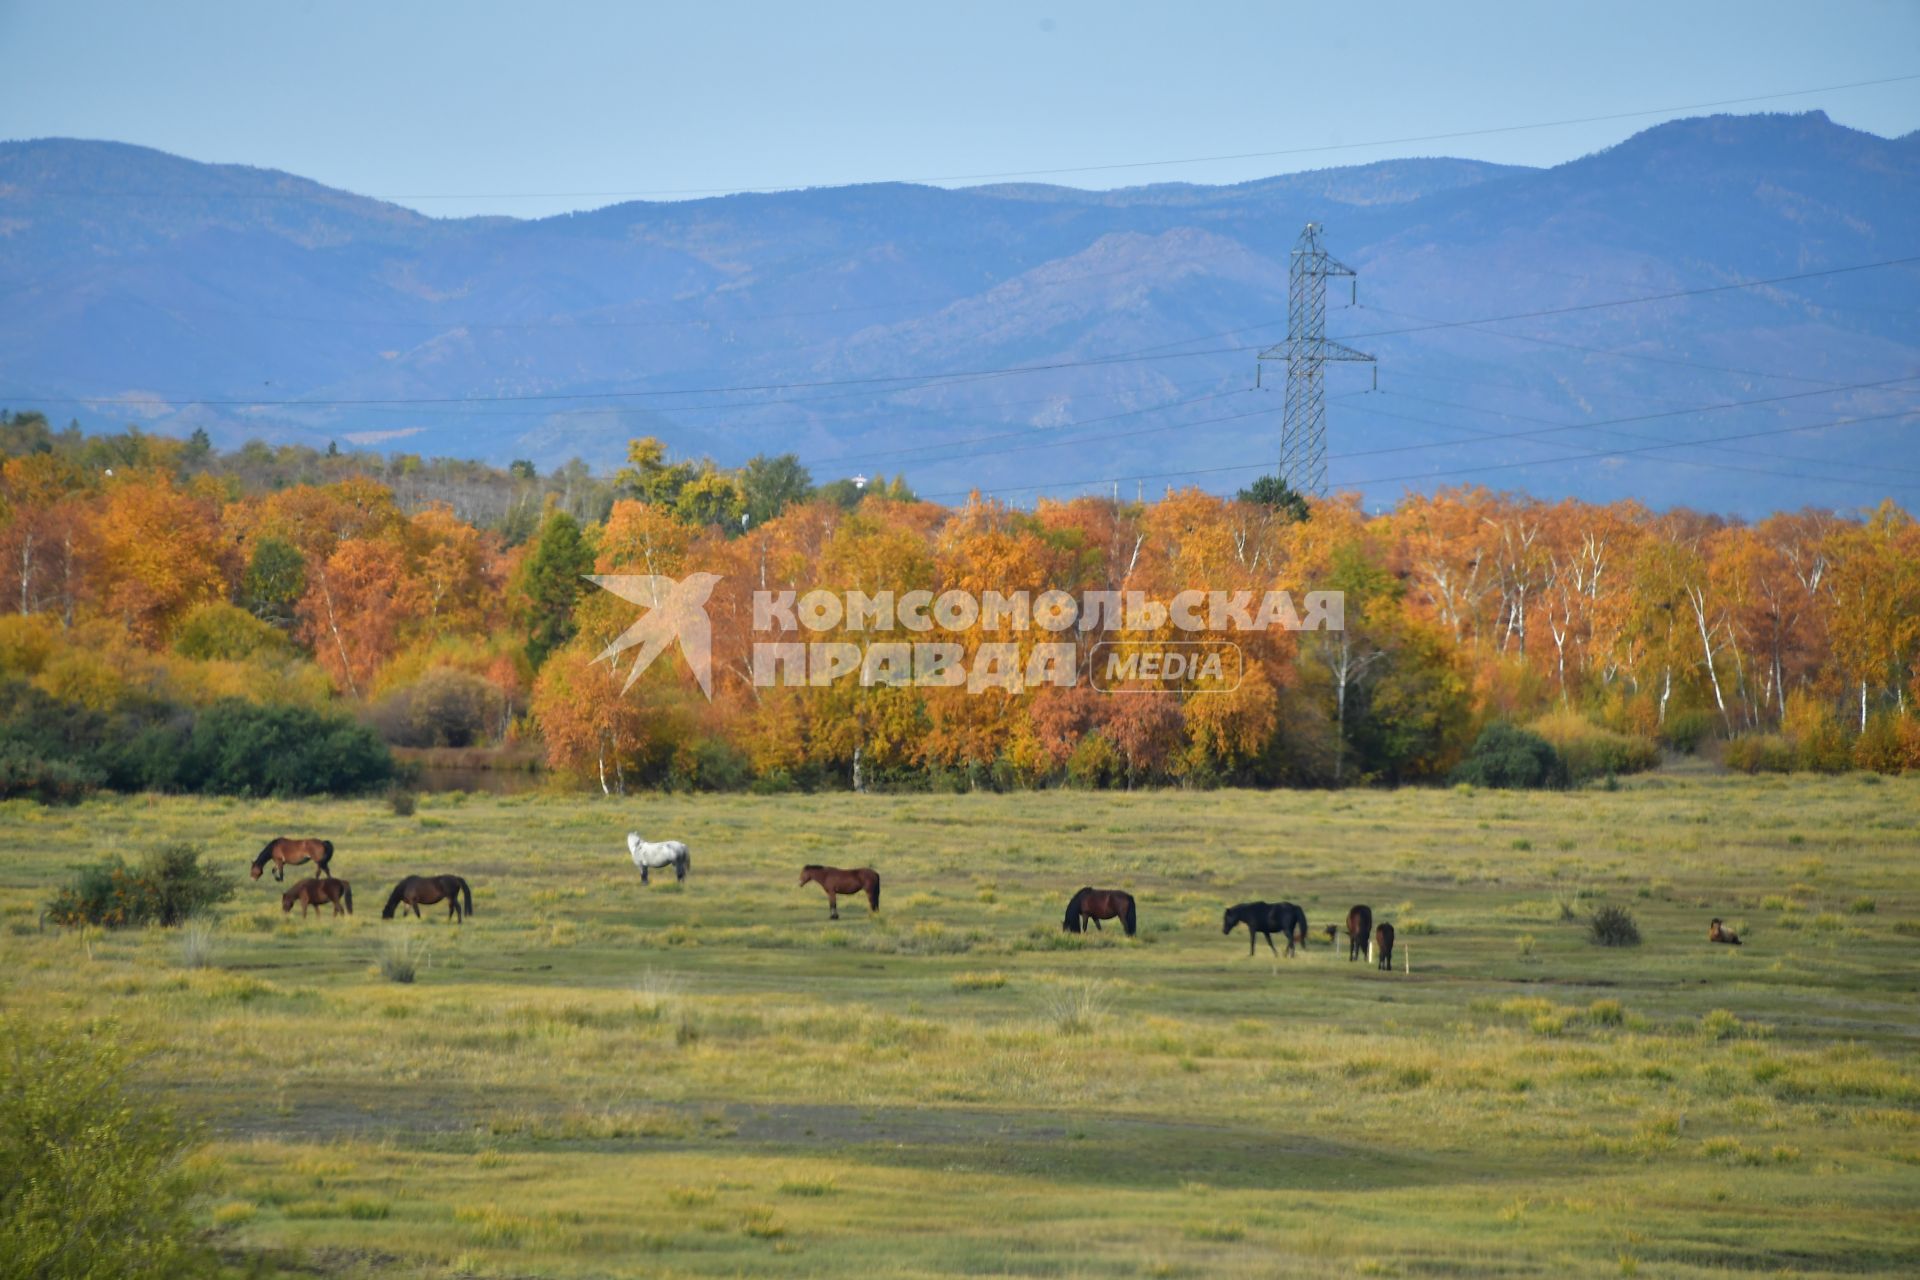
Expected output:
(393, 900)
(1073, 909)
(267, 852)
(813, 866)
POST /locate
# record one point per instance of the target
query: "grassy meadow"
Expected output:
(598, 1078)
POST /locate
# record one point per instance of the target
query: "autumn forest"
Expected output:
(175, 616)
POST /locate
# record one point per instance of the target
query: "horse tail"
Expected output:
(1131, 919)
(466, 895)
(394, 900)
(346, 894)
(1072, 923)
(873, 891)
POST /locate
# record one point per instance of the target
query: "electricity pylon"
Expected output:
(1303, 434)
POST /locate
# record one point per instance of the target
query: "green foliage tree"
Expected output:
(709, 498)
(93, 1178)
(550, 582)
(649, 476)
(275, 579)
(226, 632)
(1272, 491)
(1507, 756)
(771, 485)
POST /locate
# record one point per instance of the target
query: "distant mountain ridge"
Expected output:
(155, 281)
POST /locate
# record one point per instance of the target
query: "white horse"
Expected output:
(665, 853)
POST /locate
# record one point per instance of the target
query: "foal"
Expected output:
(316, 893)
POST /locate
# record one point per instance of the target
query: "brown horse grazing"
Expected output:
(415, 891)
(1103, 904)
(283, 852)
(1359, 929)
(1383, 946)
(316, 893)
(1716, 932)
(838, 880)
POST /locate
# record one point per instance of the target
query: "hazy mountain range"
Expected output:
(892, 328)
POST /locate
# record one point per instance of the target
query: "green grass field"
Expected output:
(599, 1078)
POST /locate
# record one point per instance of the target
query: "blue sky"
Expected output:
(534, 109)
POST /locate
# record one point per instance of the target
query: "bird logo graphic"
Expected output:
(676, 612)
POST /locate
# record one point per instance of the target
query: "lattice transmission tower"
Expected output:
(1303, 435)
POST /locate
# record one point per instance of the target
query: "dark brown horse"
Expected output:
(838, 880)
(1717, 932)
(1359, 929)
(1268, 918)
(316, 893)
(418, 891)
(1097, 905)
(1383, 946)
(284, 852)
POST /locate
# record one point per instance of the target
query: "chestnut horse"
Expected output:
(1097, 905)
(284, 852)
(316, 893)
(414, 891)
(1359, 930)
(1717, 932)
(837, 880)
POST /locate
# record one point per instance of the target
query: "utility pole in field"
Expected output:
(1303, 434)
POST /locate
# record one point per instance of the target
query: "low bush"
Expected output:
(79, 1149)
(1590, 751)
(1612, 926)
(1684, 731)
(168, 886)
(1508, 756)
(1759, 753)
(24, 774)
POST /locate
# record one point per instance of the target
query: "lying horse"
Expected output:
(316, 893)
(1383, 947)
(283, 852)
(1268, 918)
(837, 880)
(1359, 930)
(665, 853)
(1097, 905)
(1717, 932)
(414, 891)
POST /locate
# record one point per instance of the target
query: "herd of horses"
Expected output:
(323, 888)
(1087, 906)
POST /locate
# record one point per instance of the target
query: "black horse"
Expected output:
(1268, 918)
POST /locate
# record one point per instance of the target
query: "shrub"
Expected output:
(1094, 762)
(1612, 926)
(1505, 755)
(77, 1147)
(167, 887)
(402, 801)
(1590, 751)
(237, 748)
(223, 631)
(1684, 731)
(445, 707)
(1760, 753)
(34, 777)
(1891, 744)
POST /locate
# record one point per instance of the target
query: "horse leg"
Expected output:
(833, 906)
(1270, 946)
(644, 878)
(1096, 922)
